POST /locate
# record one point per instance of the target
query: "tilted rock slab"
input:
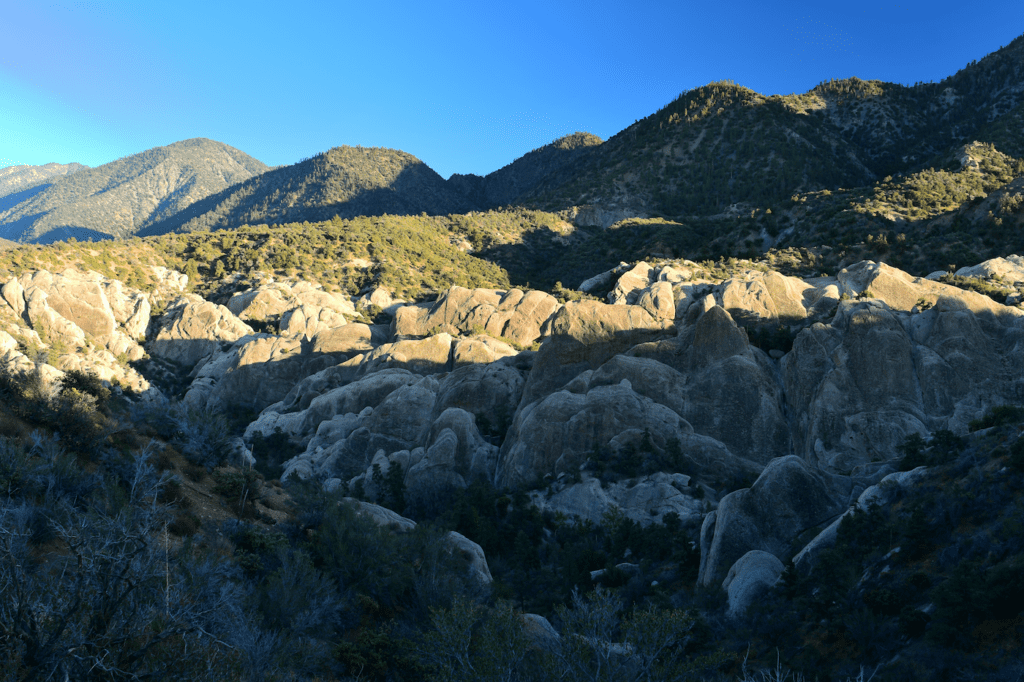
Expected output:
(514, 315)
(788, 498)
(584, 335)
(193, 329)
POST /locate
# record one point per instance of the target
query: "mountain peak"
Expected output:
(119, 198)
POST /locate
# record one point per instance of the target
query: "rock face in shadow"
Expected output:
(788, 498)
(725, 388)
(644, 501)
(857, 387)
(583, 336)
(255, 372)
(751, 576)
(193, 329)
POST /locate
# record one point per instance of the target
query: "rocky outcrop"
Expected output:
(431, 355)
(192, 329)
(490, 392)
(903, 292)
(883, 494)
(1009, 269)
(568, 430)
(351, 339)
(644, 501)
(273, 300)
(473, 555)
(714, 379)
(585, 335)
(255, 372)
(75, 309)
(788, 498)
(307, 321)
(767, 297)
(876, 374)
(514, 315)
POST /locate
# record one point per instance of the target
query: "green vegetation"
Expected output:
(344, 181)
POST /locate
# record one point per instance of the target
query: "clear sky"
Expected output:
(465, 86)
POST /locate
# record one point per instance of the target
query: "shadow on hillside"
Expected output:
(61, 234)
(11, 200)
(543, 257)
(283, 196)
(15, 229)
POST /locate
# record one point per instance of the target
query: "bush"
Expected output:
(87, 383)
(1001, 415)
(199, 434)
(241, 489)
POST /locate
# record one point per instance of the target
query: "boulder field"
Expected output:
(654, 402)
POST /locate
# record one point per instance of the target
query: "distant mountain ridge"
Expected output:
(119, 198)
(21, 183)
(14, 179)
(714, 155)
(342, 182)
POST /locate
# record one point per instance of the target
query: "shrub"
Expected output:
(912, 449)
(200, 434)
(1000, 415)
(240, 488)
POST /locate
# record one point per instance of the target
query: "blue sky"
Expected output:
(465, 86)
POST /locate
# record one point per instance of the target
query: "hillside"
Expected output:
(342, 182)
(120, 198)
(505, 185)
(722, 144)
(21, 183)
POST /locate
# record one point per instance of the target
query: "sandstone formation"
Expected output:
(583, 336)
(273, 300)
(751, 576)
(514, 315)
(476, 561)
(788, 498)
(645, 501)
(84, 321)
(192, 329)
(656, 402)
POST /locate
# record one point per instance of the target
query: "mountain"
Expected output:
(504, 186)
(120, 198)
(342, 182)
(722, 144)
